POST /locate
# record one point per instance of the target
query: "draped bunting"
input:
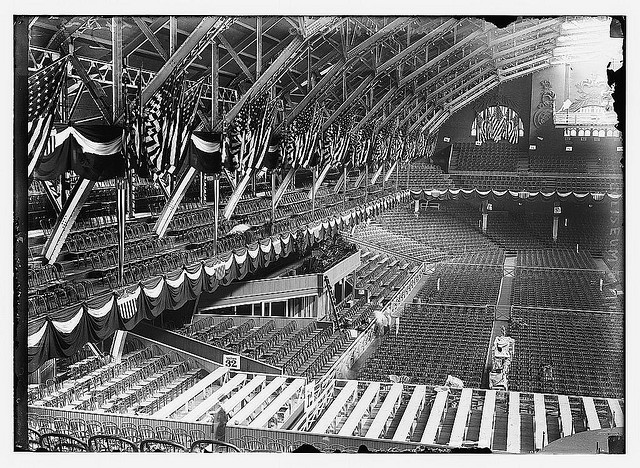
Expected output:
(65, 333)
(93, 152)
(455, 194)
(205, 152)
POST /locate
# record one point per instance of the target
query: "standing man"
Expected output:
(218, 422)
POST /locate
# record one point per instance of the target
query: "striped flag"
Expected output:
(336, 141)
(160, 116)
(303, 137)
(44, 89)
(186, 118)
(250, 133)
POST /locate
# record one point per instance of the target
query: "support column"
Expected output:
(121, 207)
(203, 188)
(313, 190)
(216, 211)
(273, 201)
(416, 206)
(344, 185)
(485, 216)
(262, 309)
(556, 214)
(397, 175)
(366, 183)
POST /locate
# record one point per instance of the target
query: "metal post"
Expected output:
(121, 182)
(258, 46)
(313, 192)
(203, 189)
(216, 211)
(121, 205)
(366, 183)
(344, 186)
(214, 83)
(397, 174)
(273, 201)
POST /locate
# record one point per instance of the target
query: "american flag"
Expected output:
(336, 140)
(186, 118)
(303, 137)
(362, 145)
(44, 89)
(160, 116)
(250, 132)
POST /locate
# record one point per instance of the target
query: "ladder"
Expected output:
(332, 306)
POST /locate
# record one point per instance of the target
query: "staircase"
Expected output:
(453, 161)
(421, 423)
(444, 431)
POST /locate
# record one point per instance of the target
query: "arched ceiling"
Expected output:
(416, 70)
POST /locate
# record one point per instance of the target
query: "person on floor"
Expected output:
(218, 419)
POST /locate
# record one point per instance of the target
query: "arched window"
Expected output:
(497, 123)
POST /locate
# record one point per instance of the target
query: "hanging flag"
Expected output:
(337, 139)
(160, 121)
(250, 133)
(44, 90)
(303, 138)
(187, 116)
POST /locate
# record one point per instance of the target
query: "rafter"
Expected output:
(151, 37)
(430, 63)
(347, 102)
(236, 57)
(417, 46)
(140, 39)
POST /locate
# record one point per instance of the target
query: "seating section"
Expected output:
(382, 237)
(490, 156)
(433, 342)
(141, 383)
(462, 284)
(60, 434)
(561, 289)
(547, 183)
(308, 351)
(421, 176)
(88, 264)
(585, 352)
(438, 229)
(556, 258)
(583, 159)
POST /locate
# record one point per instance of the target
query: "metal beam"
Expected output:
(52, 196)
(277, 68)
(524, 45)
(430, 63)
(333, 71)
(347, 102)
(512, 36)
(414, 48)
(283, 186)
(68, 29)
(230, 179)
(236, 57)
(390, 171)
(140, 39)
(397, 109)
(209, 27)
(70, 211)
(392, 91)
(215, 82)
(237, 194)
(319, 181)
(393, 27)
(259, 45)
(376, 175)
(151, 37)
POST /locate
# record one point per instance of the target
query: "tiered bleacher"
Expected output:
(490, 156)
